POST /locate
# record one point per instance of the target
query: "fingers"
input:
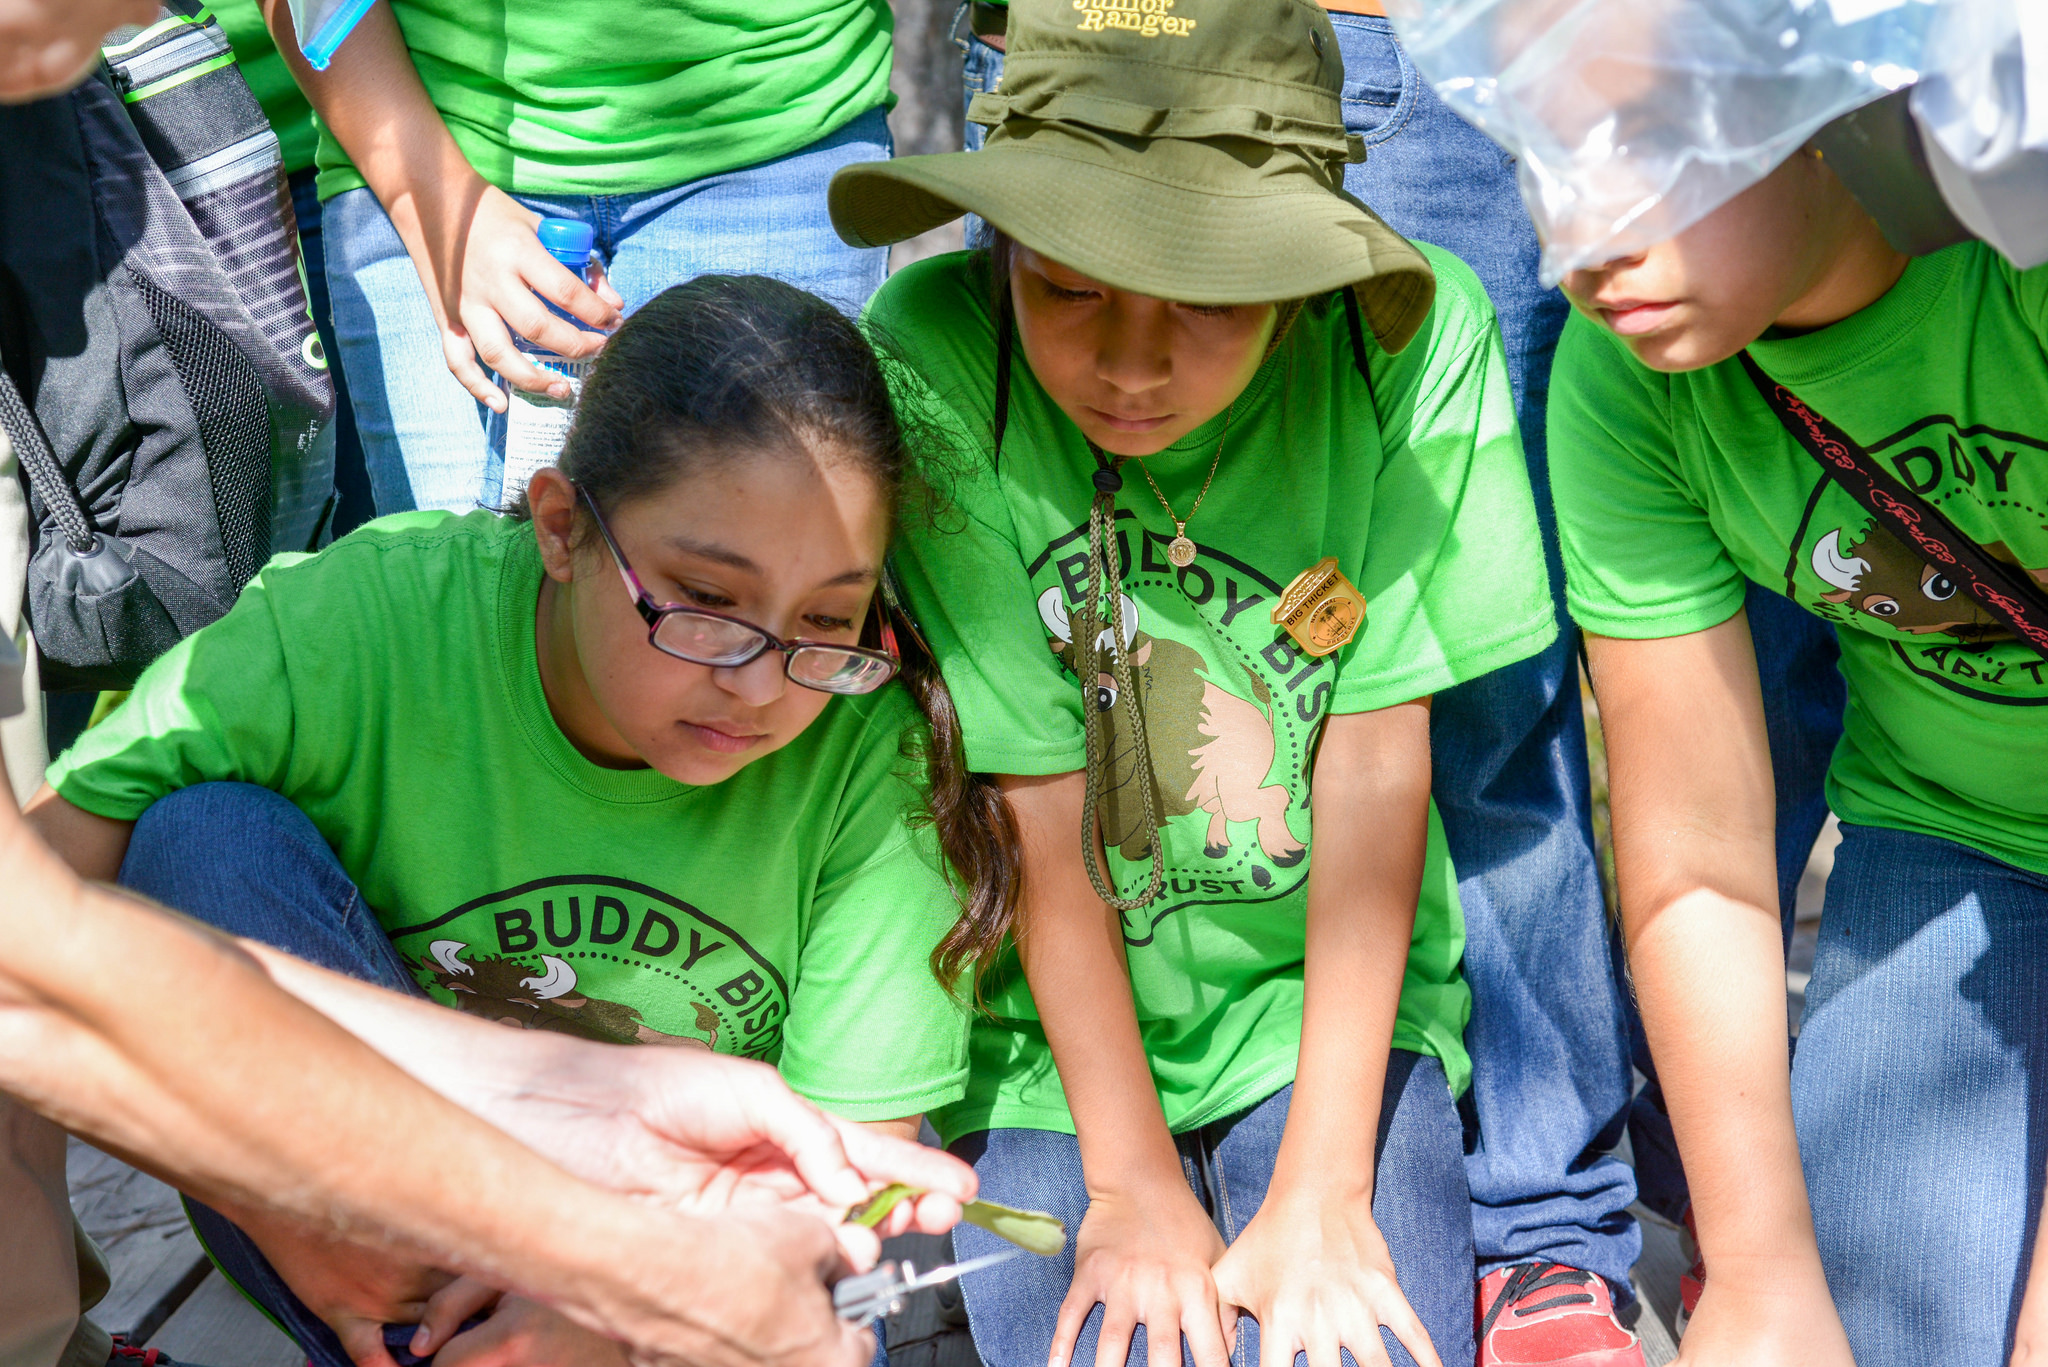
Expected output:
(363, 1341)
(1074, 1311)
(601, 281)
(1113, 1344)
(494, 347)
(933, 1213)
(881, 1158)
(461, 358)
(446, 1311)
(1209, 1338)
(816, 1146)
(860, 1246)
(1394, 1311)
(559, 285)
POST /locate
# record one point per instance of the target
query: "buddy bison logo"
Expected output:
(1211, 750)
(500, 988)
(1878, 575)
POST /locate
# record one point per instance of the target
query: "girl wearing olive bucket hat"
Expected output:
(1238, 488)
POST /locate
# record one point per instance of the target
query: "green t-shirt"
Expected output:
(1671, 488)
(388, 687)
(284, 104)
(606, 97)
(1416, 485)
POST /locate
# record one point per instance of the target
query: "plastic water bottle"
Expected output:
(536, 425)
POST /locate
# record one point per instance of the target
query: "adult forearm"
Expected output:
(181, 1091)
(1371, 791)
(1071, 947)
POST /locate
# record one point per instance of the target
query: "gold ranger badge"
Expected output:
(1320, 609)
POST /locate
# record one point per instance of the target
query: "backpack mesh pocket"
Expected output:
(229, 403)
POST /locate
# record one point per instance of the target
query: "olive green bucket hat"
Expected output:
(1191, 150)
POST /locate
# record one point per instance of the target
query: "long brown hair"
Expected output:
(728, 367)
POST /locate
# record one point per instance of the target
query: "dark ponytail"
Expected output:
(728, 368)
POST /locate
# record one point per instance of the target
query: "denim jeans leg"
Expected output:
(353, 505)
(1549, 1029)
(767, 219)
(1920, 1090)
(245, 860)
(422, 432)
(1419, 1201)
(1013, 1307)
(981, 69)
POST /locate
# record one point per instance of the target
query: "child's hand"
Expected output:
(1316, 1274)
(1786, 1326)
(1146, 1257)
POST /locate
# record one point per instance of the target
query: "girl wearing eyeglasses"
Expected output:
(630, 766)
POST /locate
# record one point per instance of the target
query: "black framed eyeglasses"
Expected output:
(722, 641)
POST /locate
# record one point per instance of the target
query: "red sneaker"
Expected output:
(1552, 1315)
(1694, 1281)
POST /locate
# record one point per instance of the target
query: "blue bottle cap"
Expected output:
(568, 241)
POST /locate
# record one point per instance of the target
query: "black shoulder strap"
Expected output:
(39, 463)
(1357, 327)
(1002, 419)
(2006, 591)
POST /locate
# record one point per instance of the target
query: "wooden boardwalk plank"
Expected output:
(217, 1327)
(139, 1224)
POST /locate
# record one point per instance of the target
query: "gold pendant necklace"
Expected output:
(1180, 550)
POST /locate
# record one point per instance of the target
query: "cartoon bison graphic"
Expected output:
(505, 990)
(1211, 750)
(1878, 575)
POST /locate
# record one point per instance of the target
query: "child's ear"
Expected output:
(551, 500)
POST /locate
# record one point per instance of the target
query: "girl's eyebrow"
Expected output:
(733, 559)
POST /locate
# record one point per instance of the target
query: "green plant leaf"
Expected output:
(1031, 1230)
(880, 1204)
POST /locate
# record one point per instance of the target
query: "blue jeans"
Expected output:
(1419, 1202)
(352, 505)
(1549, 1033)
(1920, 1090)
(247, 861)
(427, 442)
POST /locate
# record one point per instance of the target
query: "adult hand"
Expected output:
(519, 1333)
(1315, 1272)
(356, 1291)
(486, 272)
(1790, 1324)
(748, 1289)
(1145, 1256)
(47, 46)
(703, 1132)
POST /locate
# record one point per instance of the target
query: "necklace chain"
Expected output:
(1180, 524)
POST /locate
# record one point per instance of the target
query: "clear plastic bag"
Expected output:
(1982, 107)
(1633, 119)
(322, 25)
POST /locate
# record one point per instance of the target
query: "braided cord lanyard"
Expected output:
(1102, 550)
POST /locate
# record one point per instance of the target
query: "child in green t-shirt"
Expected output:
(631, 767)
(1882, 1195)
(1240, 490)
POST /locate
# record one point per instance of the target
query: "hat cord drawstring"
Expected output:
(1102, 548)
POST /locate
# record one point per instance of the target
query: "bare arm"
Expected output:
(93, 846)
(1371, 789)
(1689, 776)
(300, 1121)
(474, 246)
(1145, 1249)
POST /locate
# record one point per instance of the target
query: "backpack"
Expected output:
(160, 376)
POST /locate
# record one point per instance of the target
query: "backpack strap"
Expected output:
(1003, 347)
(2006, 591)
(39, 463)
